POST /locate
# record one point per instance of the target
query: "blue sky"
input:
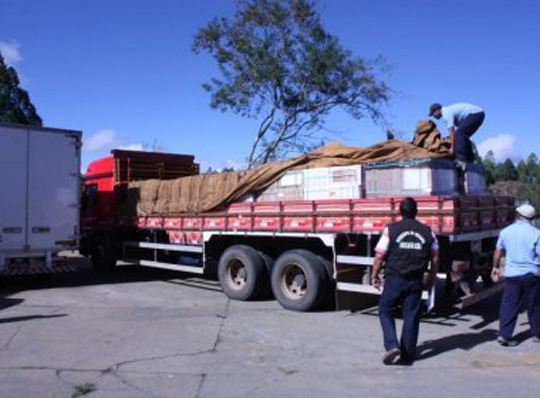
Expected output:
(123, 71)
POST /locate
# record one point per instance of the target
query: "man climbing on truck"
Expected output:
(462, 120)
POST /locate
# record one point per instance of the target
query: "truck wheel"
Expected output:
(328, 295)
(268, 261)
(103, 259)
(241, 273)
(299, 280)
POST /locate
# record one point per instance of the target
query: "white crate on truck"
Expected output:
(288, 187)
(339, 182)
(421, 177)
(40, 182)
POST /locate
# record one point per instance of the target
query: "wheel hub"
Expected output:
(237, 275)
(294, 282)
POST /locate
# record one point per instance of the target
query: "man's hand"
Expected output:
(376, 282)
(496, 274)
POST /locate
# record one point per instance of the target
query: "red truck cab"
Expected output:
(105, 184)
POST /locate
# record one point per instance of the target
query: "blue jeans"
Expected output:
(464, 132)
(516, 290)
(406, 292)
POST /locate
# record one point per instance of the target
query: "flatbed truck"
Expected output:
(304, 251)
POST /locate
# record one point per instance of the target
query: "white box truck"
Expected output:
(39, 198)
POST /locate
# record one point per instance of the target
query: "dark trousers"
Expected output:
(462, 136)
(516, 290)
(408, 293)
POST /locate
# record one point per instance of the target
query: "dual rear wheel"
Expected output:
(298, 278)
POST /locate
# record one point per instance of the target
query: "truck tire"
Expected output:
(102, 256)
(328, 294)
(299, 280)
(242, 273)
(268, 261)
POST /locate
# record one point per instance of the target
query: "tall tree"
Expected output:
(490, 167)
(507, 171)
(522, 171)
(532, 169)
(15, 104)
(279, 65)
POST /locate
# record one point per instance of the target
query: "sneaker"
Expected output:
(506, 342)
(391, 356)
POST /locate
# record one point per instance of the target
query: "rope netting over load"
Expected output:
(211, 192)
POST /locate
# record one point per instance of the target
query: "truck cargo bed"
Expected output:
(445, 215)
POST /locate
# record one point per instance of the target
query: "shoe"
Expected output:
(391, 356)
(536, 339)
(506, 342)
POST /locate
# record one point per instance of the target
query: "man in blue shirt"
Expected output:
(521, 243)
(463, 120)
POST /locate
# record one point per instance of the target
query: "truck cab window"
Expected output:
(89, 196)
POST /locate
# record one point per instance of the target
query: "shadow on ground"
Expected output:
(86, 276)
(461, 341)
(14, 319)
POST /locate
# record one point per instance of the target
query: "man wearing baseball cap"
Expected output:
(462, 120)
(521, 244)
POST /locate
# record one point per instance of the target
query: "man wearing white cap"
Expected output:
(521, 243)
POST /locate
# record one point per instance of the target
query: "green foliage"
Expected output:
(522, 171)
(15, 105)
(532, 172)
(522, 183)
(507, 171)
(210, 170)
(490, 167)
(279, 65)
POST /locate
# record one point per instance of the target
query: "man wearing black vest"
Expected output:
(406, 249)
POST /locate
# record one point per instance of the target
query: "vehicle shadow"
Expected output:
(84, 275)
(6, 302)
(29, 318)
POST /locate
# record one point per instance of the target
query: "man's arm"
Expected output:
(448, 117)
(496, 271)
(452, 133)
(433, 270)
(377, 266)
(432, 276)
(380, 252)
(497, 256)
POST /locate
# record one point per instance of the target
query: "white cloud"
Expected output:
(10, 52)
(502, 146)
(101, 141)
(133, 147)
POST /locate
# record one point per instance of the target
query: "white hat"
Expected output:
(526, 211)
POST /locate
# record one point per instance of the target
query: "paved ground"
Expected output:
(150, 333)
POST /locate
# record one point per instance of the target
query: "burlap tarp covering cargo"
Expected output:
(212, 192)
